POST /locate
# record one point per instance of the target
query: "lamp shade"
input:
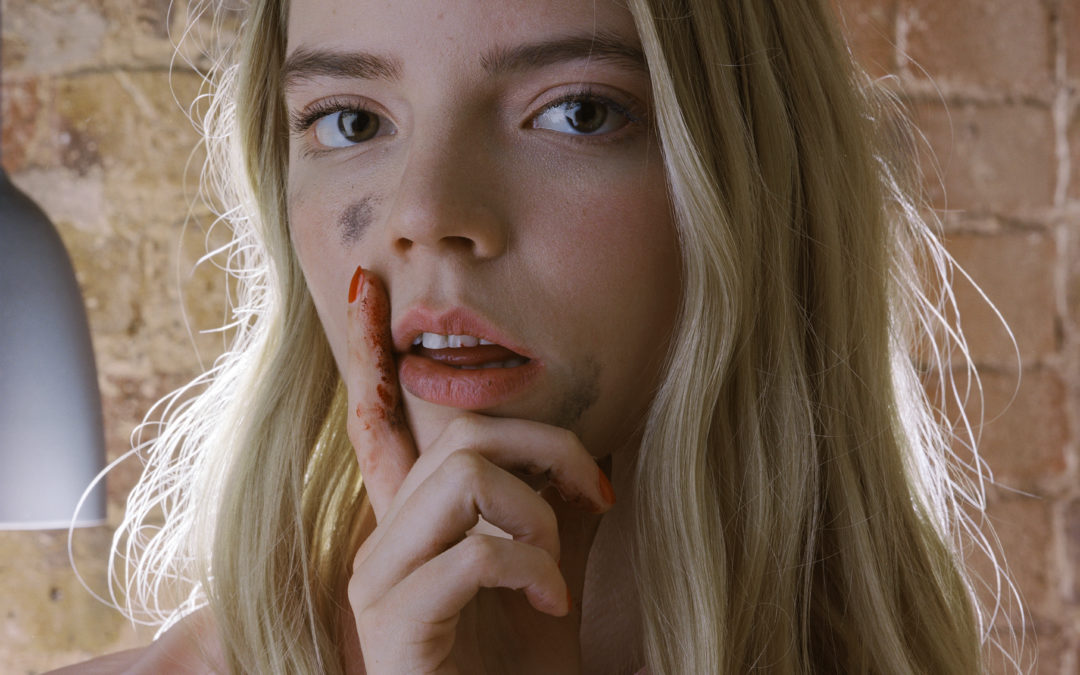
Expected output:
(51, 432)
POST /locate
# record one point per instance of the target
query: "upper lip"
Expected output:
(455, 321)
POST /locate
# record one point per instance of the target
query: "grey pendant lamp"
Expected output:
(51, 432)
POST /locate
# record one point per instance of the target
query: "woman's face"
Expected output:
(492, 162)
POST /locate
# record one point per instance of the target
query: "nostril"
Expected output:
(464, 244)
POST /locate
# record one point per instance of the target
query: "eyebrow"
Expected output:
(306, 63)
(601, 46)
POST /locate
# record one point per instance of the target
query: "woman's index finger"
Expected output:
(376, 421)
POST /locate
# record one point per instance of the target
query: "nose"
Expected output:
(447, 201)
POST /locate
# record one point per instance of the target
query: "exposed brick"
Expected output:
(1016, 271)
(53, 36)
(49, 620)
(126, 400)
(1039, 649)
(1021, 426)
(1073, 138)
(138, 30)
(153, 17)
(870, 26)
(30, 123)
(1070, 30)
(130, 125)
(1024, 526)
(27, 122)
(1072, 544)
(75, 205)
(1025, 430)
(959, 43)
(1072, 286)
(993, 159)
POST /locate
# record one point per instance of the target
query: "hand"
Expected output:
(417, 579)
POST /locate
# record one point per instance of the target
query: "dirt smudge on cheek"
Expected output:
(355, 220)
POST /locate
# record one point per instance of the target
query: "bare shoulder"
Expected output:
(191, 647)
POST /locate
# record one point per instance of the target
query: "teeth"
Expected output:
(439, 341)
(462, 341)
(434, 341)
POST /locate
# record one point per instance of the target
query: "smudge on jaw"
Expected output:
(584, 395)
(355, 219)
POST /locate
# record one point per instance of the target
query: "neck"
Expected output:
(611, 635)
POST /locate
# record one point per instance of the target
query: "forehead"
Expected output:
(459, 31)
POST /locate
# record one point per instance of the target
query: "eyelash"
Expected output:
(301, 122)
(587, 94)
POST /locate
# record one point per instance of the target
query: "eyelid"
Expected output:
(626, 105)
(301, 121)
(588, 94)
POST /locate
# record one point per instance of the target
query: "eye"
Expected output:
(342, 128)
(583, 116)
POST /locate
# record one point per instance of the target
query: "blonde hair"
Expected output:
(798, 507)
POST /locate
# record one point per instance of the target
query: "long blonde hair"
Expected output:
(798, 507)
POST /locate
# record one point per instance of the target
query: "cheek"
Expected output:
(625, 262)
(325, 231)
(630, 281)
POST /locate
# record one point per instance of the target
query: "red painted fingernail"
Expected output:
(354, 287)
(606, 491)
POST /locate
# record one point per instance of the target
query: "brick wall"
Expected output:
(993, 85)
(91, 131)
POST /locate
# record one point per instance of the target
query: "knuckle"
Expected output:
(462, 430)
(570, 440)
(358, 598)
(467, 469)
(366, 619)
(480, 553)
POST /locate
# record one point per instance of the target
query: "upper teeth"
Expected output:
(439, 341)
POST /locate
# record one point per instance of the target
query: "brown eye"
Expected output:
(358, 125)
(345, 128)
(583, 116)
(586, 117)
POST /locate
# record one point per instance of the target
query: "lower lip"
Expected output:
(472, 389)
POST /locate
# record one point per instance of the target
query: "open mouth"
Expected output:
(468, 364)
(466, 352)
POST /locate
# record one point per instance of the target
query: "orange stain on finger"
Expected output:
(375, 308)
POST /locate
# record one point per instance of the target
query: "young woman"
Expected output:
(570, 337)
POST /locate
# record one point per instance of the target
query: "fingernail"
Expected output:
(354, 287)
(606, 491)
